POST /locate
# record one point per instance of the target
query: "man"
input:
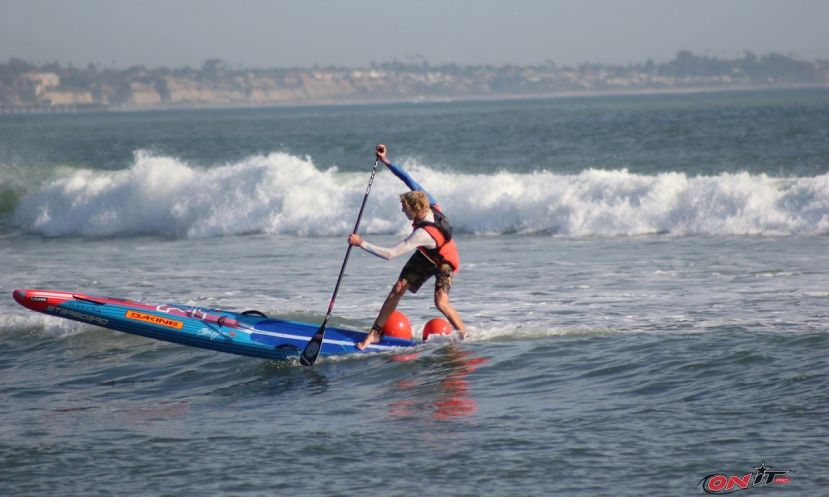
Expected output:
(435, 253)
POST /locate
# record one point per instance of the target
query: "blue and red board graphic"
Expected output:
(252, 335)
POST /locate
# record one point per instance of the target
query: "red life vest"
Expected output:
(441, 232)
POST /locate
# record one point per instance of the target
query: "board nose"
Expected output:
(39, 300)
(19, 296)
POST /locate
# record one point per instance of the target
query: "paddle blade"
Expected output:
(312, 349)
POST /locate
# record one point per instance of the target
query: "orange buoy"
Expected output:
(398, 326)
(437, 326)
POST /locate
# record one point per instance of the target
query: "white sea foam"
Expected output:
(283, 194)
(21, 321)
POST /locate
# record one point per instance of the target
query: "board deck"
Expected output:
(246, 334)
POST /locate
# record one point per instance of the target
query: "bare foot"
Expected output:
(372, 337)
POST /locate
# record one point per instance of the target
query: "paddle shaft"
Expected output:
(312, 349)
(348, 250)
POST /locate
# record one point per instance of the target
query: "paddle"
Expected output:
(312, 349)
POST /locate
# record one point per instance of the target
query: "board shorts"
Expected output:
(419, 268)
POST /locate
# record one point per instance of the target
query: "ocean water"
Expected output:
(646, 280)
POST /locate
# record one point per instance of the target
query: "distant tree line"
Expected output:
(23, 83)
(773, 65)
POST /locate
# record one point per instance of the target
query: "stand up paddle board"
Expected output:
(249, 333)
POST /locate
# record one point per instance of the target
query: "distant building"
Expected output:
(38, 82)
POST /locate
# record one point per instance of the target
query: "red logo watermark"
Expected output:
(763, 476)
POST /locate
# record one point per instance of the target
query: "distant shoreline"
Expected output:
(94, 108)
(51, 88)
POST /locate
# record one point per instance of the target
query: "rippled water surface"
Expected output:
(645, 279)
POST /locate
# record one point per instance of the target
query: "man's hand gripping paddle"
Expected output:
(312, 349)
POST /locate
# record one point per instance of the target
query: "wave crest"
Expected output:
(283, 194)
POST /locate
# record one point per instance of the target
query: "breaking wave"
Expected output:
(284, 194)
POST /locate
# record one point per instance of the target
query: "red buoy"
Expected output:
(398, 326)
(437, 326)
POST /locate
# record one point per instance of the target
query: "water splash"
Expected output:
(284, 194)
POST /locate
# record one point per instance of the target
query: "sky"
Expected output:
(355, 33)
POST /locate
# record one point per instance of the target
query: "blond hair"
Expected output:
(416, 202)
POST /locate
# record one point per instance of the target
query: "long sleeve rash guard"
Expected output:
(410, 182)
(419, 237)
